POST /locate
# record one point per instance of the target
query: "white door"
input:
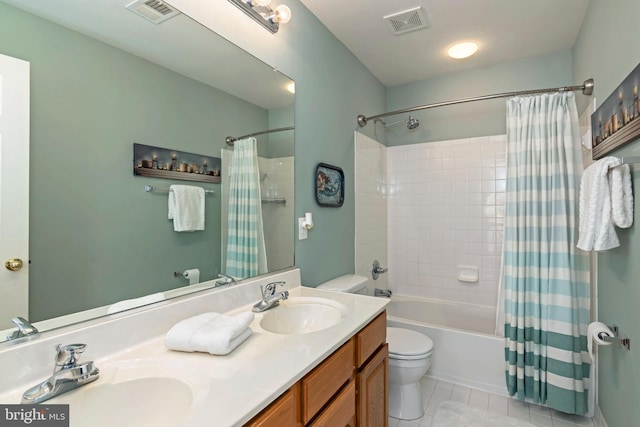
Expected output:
(14, 188)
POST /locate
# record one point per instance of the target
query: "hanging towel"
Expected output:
(186, 207)
(596, 231)
(212, 333)
(621, 196)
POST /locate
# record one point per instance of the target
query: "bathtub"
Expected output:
(465, 350)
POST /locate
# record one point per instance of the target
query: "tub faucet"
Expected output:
(25, 329)
(68, 374)
(382, 293)
(270, 298)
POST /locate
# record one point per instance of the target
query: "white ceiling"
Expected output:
(505, 29)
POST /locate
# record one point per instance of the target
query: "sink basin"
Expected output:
(300, 315)
(134, 393)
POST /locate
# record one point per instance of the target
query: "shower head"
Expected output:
(411, 123)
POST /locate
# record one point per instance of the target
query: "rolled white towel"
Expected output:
(621, 196)
(212, 333)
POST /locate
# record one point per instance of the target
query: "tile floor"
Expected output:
(435, 391)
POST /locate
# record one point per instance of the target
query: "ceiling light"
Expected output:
(462, 50)
(291, 87)
(261, 12)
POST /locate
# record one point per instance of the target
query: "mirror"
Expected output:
(104, 77)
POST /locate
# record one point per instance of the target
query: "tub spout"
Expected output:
(382, 293)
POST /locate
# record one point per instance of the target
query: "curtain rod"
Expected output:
(586, 88)
(230, 139)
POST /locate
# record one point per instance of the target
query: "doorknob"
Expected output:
(13, 264)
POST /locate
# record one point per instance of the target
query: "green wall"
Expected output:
(605, 51)
(95, 236)
(476, 118)
(332, 88)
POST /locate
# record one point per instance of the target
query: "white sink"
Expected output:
(135, 393)
(300, 315)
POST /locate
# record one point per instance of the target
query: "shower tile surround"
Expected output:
(444, 206)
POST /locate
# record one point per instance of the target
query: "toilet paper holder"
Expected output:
(624, 342)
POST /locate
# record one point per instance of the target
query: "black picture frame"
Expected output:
(329, 185)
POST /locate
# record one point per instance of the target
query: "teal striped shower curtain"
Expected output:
(546, 278)
(246, 254)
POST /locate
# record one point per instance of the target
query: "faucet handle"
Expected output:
(270, 288)
(68, 355)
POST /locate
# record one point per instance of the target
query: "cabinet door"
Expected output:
(281, 413)
(372, 391)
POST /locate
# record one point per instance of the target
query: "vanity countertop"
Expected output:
(236, 387)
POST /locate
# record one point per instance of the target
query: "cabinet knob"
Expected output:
(13, 264)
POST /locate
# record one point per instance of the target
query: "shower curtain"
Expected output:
(246, 254)
(545, 277)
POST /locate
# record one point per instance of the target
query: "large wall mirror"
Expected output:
(104, 77)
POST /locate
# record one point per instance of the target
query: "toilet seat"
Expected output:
(405, 344)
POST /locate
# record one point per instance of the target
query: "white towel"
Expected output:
(186, 207)
(135, 302)
(212, 333)
(602, 187)
(621, 196)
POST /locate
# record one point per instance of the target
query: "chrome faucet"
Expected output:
(381, 293)
(68, 374)
(25, 329)
(227, 280)
(270, 298)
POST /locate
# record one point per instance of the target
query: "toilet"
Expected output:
(409, 356)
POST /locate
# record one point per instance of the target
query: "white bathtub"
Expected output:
(465, 351)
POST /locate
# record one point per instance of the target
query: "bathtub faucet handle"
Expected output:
(377, 270)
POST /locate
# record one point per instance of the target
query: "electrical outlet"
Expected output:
(302, 230)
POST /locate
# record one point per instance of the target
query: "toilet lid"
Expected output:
(405, 342)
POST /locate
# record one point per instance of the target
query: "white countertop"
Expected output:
(235, 387)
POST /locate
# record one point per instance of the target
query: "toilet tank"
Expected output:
(349, 283)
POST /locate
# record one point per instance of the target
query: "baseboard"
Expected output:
(598, 418)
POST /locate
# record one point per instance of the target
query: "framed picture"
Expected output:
(329, 185)
(617, 121)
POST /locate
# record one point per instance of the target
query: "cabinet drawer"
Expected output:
(280, 413)
(370, 338)
(325, 380)
(341, 412)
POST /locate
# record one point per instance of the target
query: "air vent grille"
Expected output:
(407, 21)
(152, 10)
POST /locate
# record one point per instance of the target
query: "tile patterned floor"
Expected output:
(435, 391)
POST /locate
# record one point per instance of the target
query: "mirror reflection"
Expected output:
(102, 78)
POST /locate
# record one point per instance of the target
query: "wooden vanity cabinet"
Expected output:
(349, 388)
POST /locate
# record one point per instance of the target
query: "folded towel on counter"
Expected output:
(621, 196)
(135, 302)
(186, 207)
(212, 333)
(596, 231)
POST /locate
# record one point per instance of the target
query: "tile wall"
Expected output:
(371, 209)
(445, 208)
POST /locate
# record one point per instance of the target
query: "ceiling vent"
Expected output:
(407, 21)
(152, 10)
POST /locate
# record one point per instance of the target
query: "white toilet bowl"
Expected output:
(409, 359)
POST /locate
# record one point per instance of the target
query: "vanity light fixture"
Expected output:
(261, 12)
(462, 50)
(291, 87)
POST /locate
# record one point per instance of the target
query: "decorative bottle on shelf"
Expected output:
(174, 162)
(154, 164)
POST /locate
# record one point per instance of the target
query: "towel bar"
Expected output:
(150, 188)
